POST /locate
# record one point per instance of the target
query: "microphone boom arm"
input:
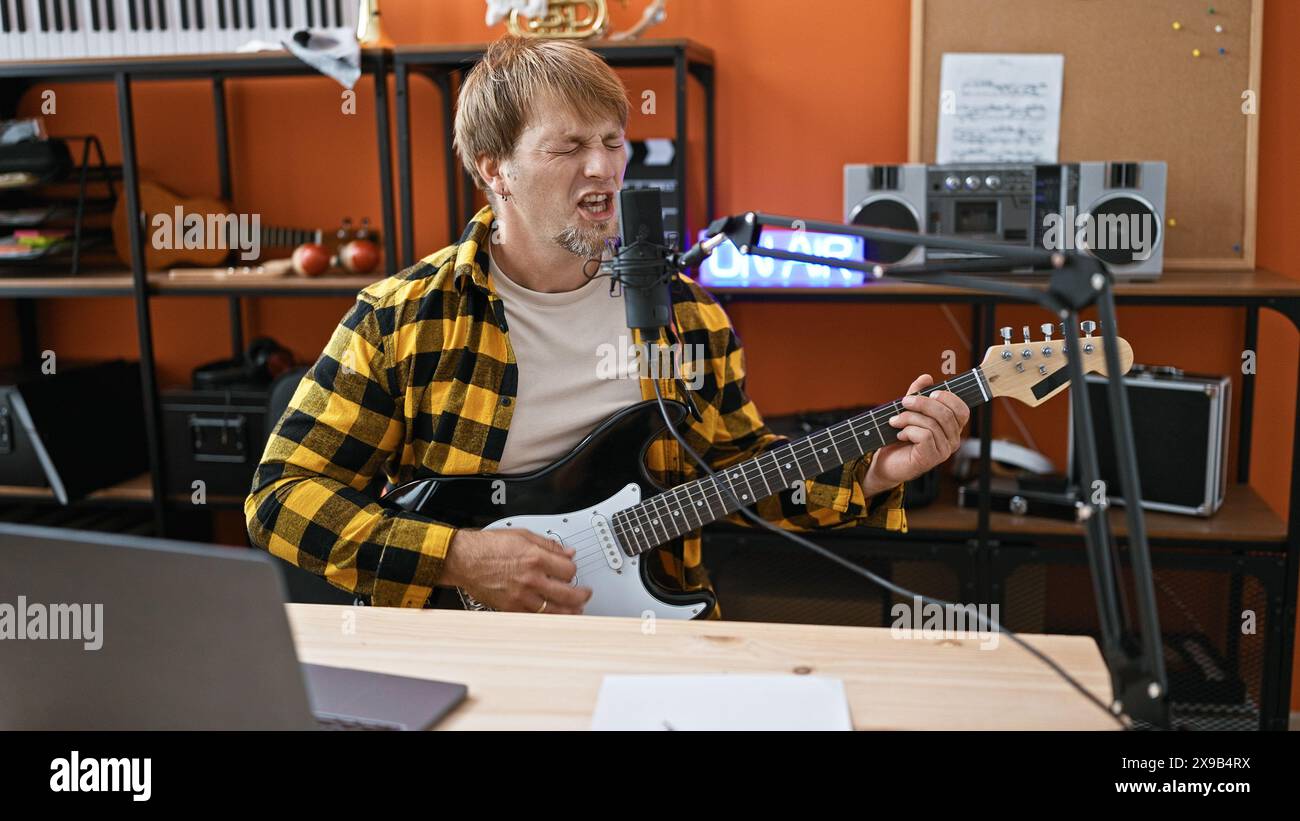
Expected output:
(1133, 652)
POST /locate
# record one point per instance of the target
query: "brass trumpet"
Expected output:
(568, 19)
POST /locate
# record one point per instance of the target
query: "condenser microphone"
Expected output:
(644, 262)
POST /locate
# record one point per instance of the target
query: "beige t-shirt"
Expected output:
(576, 367)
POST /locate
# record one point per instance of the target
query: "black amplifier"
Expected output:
(213, 436)
(76, 430)
(1180, 432)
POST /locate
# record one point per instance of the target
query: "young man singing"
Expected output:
(484, 358)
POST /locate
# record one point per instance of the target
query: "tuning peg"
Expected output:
(1025, 330)
(1006, 334)
(1046, 328)
(1088, 326)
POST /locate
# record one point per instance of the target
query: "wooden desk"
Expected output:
(540, 672)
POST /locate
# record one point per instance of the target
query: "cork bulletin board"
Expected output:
(1133, 90)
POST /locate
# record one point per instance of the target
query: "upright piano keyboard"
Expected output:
(68, 29)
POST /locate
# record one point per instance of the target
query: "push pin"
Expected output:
(1178, 26)
(1196, 52)
(1173, 222)
(1218, 29)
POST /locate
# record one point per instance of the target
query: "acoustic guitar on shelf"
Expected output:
(274, 242)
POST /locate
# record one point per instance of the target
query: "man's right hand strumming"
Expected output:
(514, 570)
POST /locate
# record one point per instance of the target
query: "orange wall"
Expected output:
(799, 94)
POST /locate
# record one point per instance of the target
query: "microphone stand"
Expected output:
(1134, 658)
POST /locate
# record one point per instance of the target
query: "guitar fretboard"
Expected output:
(692, 505)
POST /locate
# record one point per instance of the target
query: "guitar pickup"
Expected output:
(555, 537)
(608, 544)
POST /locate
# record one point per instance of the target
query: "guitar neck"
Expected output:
(668, 515)
(275, 236)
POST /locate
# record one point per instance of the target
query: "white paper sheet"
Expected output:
(721, 702)
(1000, 107)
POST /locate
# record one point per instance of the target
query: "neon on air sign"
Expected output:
(728, 268)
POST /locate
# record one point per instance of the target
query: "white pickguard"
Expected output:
(614, 592)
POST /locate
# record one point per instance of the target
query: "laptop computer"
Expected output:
(108, 631)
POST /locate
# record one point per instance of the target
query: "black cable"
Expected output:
(990, 623)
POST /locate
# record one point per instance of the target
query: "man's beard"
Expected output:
(588, 243)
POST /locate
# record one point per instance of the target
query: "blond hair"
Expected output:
(498, 96)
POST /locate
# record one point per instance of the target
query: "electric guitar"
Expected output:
(613, 515)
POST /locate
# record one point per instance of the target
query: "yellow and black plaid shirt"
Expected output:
(419, 380)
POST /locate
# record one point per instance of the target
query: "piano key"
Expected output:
(93, 15)
(79, 24)
(9, 38)
(190, 36)
(115, 13)
(203, 19)
(258, 11)
(36, 43)
(164, 22)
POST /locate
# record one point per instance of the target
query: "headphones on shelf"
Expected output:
(264, 360)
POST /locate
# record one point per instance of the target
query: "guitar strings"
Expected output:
(582, 542)
(640, 514)
(644, 512)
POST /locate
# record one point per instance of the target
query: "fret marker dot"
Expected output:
(744, 496)
(637, 529)
(697, 504)
(787, 465)
(823, 450)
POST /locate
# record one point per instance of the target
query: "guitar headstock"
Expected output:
(1034, 372)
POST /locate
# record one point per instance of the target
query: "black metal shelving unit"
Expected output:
(446, 66)
(124, 73)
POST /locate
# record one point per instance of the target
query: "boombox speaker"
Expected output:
(886, 196)
(1132, 191)
(1113, 211)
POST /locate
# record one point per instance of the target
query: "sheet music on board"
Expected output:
(1000, 107)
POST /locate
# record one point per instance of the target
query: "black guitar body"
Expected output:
(602, 465)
